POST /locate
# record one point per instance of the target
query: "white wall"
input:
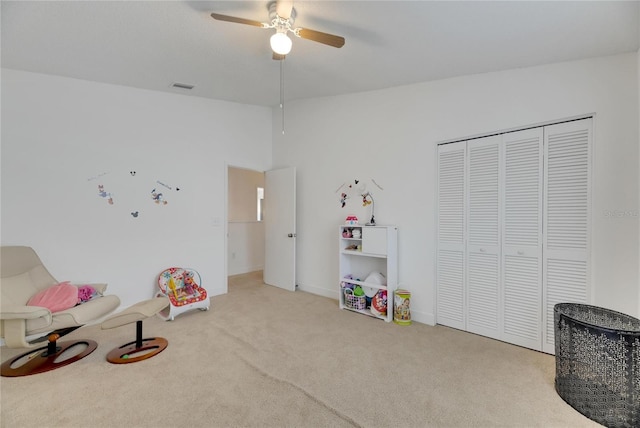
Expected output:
(391, 136)
(62, 137)
(245, 251)
(59, 135)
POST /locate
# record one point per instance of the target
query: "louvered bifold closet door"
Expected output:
(483, 236)
(451, 239)
(567, 218)
(522, 238)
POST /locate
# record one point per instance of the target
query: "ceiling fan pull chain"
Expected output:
(282, 92)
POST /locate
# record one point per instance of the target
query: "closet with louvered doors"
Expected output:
(451, 248)
(567, 216)
(513, 231)
(483, 237)
(522, 238)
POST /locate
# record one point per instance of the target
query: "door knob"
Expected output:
(291, 235)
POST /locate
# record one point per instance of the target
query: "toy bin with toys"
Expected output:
(354, 297)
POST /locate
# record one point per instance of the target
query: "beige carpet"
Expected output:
(263, 357)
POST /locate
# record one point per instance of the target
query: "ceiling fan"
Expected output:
(282, 15)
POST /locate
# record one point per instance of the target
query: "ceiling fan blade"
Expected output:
(236, 20)
(320, 37)
(283, 8)
(278, 57)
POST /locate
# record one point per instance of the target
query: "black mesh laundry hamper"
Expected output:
(598, 363)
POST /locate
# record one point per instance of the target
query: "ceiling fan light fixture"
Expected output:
(281, 43)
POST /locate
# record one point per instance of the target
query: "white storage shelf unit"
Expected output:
(376, 250)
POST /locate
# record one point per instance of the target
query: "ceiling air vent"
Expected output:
(182, 86)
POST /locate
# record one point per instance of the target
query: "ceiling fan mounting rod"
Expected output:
(281, 25)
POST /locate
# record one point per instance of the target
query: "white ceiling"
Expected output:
(151, 44)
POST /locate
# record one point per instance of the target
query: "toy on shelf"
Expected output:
(351, 220)
(182, 287)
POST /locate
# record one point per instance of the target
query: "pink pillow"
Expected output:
(56, 298)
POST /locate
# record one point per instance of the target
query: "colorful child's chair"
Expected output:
(182, 287)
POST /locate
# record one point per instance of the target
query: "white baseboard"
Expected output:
(423, 317)
(320, 291)
(244, 269)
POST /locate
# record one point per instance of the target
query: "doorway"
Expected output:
(245, 228)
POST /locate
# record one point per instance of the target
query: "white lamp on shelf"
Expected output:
(366, 202)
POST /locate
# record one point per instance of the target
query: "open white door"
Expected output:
(280, 228)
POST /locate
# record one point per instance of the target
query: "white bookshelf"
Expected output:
(375, 250)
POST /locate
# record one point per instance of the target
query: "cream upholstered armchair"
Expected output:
(23, 277)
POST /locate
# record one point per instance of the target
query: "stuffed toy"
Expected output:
(86, 293)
